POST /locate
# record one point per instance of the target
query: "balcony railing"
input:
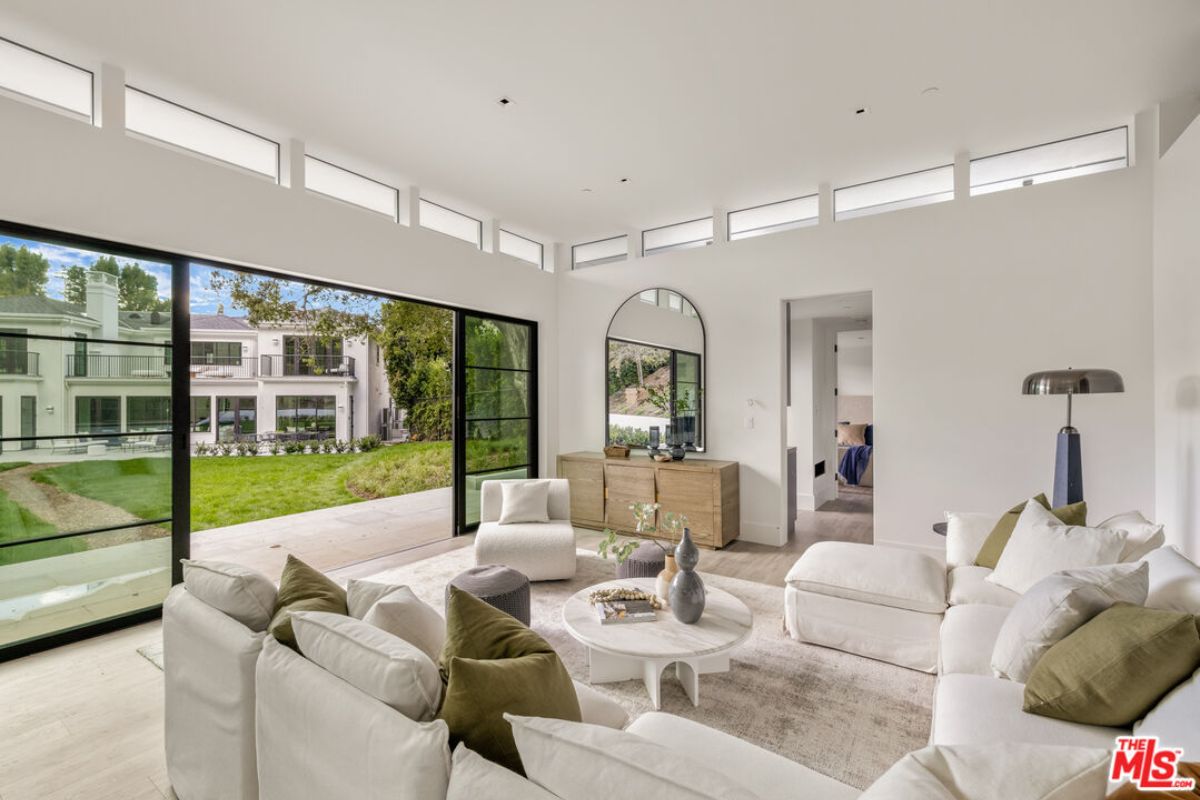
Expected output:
(222, 368)
(19, 363)
(94, 365)
(307, 366)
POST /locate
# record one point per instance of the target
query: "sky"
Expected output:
(204, 299)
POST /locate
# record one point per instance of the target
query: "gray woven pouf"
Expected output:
(497, 585)
(645, 562)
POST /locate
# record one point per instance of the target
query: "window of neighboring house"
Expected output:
(97, 414)
(1070, 158)
(450, 222)
(14, 352)
(519, 247)
(324, 178)
(306, 414)
(201, 415)
(680, 236)
(773, 217)
(605, 251)
(237, 418)
(46, 79)
(79, 364)
(311, 356)
(892, 194)
(217, 353)
(147, 413)
(174, 124)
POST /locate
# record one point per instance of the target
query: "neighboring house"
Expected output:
(246, 382)
(252, 381)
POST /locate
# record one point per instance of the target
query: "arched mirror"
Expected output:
(655, 373)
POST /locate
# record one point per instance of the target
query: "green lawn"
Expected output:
(227, 490)
(18, 523)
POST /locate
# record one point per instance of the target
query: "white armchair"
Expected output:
(542, 551)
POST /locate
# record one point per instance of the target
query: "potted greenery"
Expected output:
(643, 515)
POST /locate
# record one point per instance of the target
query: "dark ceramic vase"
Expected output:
(687, 588)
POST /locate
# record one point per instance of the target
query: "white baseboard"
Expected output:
(937, 552)
(761, 533)
(806, 502)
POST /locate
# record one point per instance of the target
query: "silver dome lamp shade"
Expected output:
(1068, 462)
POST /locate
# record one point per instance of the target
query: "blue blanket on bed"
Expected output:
(854, 463)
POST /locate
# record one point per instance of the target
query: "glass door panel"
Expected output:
(496, 413)
(86, 457)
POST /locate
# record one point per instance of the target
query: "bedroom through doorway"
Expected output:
(829, 438)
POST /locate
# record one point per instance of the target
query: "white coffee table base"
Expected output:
(608, 668)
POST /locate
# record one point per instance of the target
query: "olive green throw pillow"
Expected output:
(492, 664)
(1116, 667)
(993, 546)
(302, 588)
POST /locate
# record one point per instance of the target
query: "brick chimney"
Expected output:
(102, 302)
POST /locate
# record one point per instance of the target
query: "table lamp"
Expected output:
(1068, 464)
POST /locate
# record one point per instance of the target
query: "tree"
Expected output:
(22, 272)
(138, 290)
(75, 285)
(418, 346)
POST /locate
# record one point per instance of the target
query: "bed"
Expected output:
(856, 453)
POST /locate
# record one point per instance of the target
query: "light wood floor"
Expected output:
(84, 721)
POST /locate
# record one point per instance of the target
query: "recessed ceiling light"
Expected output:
(585, 189)
(862, 112)
(504, 102)
(623, 180)
(930, 90)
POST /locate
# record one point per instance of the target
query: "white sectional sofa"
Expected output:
(880, 602)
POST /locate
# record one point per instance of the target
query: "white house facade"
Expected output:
(97, 370)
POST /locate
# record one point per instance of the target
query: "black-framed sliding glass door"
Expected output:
(495, 407)
(89, 531)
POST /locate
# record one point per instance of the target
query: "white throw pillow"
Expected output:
(384, 666)
(1001, 771)
(966, 531)
(580, 762)
(1142, 534)
(1042, 545)
(361, 595)
(524, 501)
(473, 777)
(1057, 605)
(401, 613)
(240, 592)
(1173, 720)
(1174, 581)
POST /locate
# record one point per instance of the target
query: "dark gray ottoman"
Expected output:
(645, 562)
(497, 585)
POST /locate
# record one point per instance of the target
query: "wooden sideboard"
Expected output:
(706, 491)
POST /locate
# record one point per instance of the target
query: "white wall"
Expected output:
(64, 174)
(969, 297)
(1177, 340)
(854, 365)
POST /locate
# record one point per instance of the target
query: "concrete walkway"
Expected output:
(330, 538)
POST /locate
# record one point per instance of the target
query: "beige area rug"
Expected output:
(848, 717)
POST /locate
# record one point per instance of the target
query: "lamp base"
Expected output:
(1068, 468)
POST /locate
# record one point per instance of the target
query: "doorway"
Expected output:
(829, 435)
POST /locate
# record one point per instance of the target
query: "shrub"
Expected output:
(368, 443)
(293, 447)
(274, 448)
(202, 449)
(225, 448)
(341, 446)
(326, 446)
(247, 448)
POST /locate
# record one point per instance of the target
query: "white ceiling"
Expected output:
(699, 104)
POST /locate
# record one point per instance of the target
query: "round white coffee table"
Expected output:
(626, 651)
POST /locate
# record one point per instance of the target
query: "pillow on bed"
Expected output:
(851, 433)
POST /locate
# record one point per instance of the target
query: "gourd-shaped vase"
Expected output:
(687, 588)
